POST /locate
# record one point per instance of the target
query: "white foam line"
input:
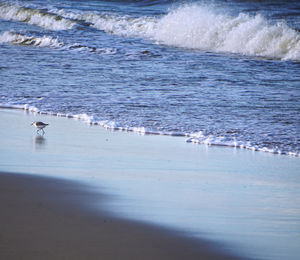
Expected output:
(35, 17)
(11, 37)
(196, 138)
(20, 39)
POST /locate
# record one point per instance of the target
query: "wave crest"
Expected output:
(199, 27)
(115, 24)
(192, 26)
(49, 42)
(203, 28)
(34, 17)
(20, 39)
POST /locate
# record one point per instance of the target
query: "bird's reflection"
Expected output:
(39, 141)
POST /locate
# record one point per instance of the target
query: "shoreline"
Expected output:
(192, 138)
(47, 218)
(236, 199)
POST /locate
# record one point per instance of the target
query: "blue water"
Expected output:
(221, 73)
(218, 73)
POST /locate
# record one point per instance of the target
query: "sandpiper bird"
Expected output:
(39, 125)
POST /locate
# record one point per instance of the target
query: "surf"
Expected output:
(191, 26)
(21, 39)
(204, 28)
(14, 38)
(13, 12)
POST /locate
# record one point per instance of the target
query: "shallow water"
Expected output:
(225, 73)
(245, 202)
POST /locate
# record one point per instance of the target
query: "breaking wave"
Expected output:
(115, 24)
(203, 28)
(192, 26)
(49, 42)
(20, 39)
(35, 17)
(199, 27)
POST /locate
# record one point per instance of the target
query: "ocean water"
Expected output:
(215, 72)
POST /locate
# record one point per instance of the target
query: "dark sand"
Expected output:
(47, 218)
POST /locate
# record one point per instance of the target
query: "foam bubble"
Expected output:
(84, 117)
(211, 140)
(30, 108)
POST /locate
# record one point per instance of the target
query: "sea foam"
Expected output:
(196, 138)
(35, 17)
(192, 26)
(20, 39)
(11, 37)
(200, 27)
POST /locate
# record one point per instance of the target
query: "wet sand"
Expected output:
(98, 194)
(47, 218)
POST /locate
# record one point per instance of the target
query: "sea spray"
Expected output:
(192, 26)
(201, 27)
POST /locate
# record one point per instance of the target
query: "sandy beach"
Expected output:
(46, 218)
(171, 130)
(83, 192)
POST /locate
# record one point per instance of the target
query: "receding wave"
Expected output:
(203, 28)
(36, 17)
(198, 138)
(49, 42)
